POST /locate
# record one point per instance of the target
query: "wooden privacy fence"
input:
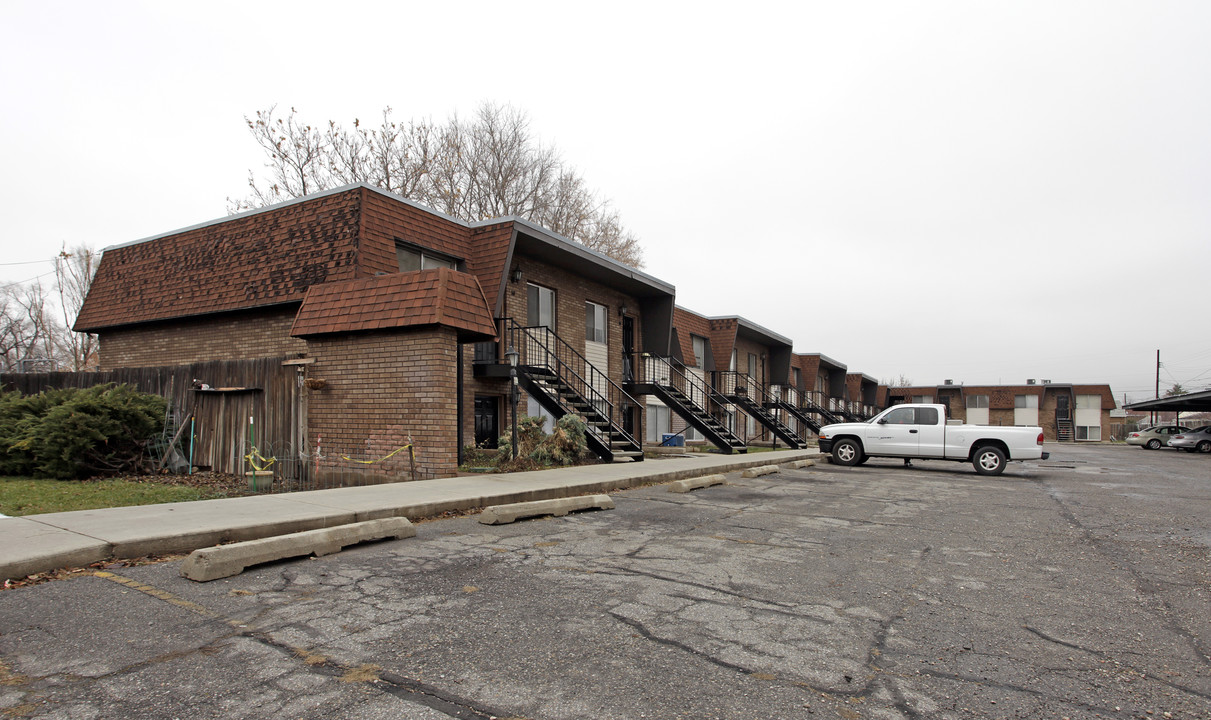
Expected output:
(264, 389)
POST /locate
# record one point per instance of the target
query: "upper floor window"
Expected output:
(1025, 401)
(412, 258)
(540, 306)
(977, 401)
(927, 399)
(699, 350)
(594, 322)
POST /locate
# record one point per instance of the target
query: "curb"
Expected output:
(39, 543)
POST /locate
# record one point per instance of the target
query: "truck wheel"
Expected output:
(847, 452)
(1153, 444)
(988, 460)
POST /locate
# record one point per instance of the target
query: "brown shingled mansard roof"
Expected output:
(426, 297)
(257, 259)
(273, 255)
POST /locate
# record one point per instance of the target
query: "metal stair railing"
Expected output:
(733, 382)
(670, 372)
(697, 397)
(540, 347)
(815, 407)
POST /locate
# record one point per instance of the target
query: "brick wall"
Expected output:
(230, 336)
(382, 388)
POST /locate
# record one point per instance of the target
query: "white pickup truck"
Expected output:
(921, 431)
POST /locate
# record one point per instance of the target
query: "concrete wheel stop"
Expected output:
(502, 514)
(223, 561)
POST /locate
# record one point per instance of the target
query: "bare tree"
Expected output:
(485, 167)
(28, 332)
(74, 271)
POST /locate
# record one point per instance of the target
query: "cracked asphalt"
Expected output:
(1078, 587)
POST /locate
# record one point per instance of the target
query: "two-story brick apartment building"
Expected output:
(749, 364)
(397, 318)
(862, 395)
(1066, 412)
(824, 391)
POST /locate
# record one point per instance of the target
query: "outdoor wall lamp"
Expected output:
(623, 310)
(515, 274)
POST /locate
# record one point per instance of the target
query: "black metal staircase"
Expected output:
(787, 400)
(1063, 430)
(745, 393)
(687, 395)
(806, 404)
(847, 416)
(563, 382)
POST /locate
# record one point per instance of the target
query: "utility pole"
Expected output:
(1158, 381)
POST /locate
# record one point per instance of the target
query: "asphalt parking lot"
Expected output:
(1074, 588)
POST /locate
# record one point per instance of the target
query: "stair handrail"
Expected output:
(733, 379)
(756, 393)
(574, 360)
(810, 404)
(696, 389)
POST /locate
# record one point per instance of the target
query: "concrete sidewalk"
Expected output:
(37, 543)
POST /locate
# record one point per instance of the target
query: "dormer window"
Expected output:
(412, 257)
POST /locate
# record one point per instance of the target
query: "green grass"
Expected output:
(27, 496)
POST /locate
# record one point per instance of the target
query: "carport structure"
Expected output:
(1189, 402)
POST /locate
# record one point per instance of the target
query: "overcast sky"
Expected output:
(980, 191)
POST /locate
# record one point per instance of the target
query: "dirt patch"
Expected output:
(231, 485)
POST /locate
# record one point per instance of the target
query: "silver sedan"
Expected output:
(1196, 440)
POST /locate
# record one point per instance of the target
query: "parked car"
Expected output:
(1155, 438)
(920, 431)
(1198, 439)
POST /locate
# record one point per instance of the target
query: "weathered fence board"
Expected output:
(269, 393)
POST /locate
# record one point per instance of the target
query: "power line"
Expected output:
(22, 282)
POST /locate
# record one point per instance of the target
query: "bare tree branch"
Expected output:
(74, 271)
(490, 166)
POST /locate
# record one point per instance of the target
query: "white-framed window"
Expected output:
(595, 322)
(1088, 420)
(699, 344)
(411, 258)
(1092, 433)
(1025, 401)
(540, 306)
(977, 402)
(926, 399)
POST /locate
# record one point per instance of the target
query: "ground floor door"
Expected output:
(487, 420)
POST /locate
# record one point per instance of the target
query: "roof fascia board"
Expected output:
(826, 359)
(560, 242)
(499, 311)
(755, 328)
(191, 316)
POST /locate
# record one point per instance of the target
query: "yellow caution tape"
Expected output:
(254, 453)
(385, 457)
